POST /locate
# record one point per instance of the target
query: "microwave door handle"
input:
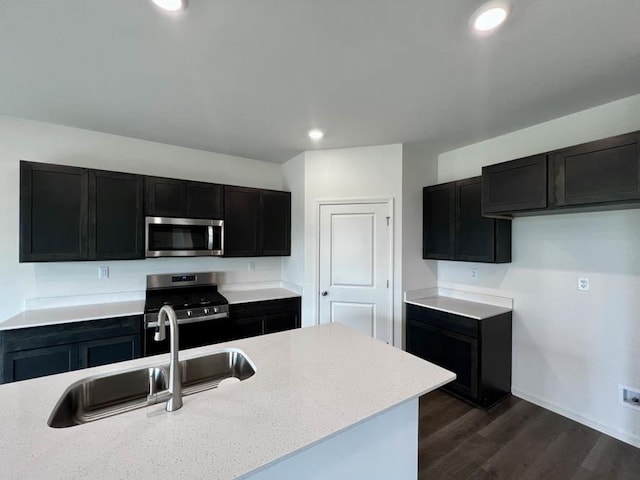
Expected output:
(210, 236)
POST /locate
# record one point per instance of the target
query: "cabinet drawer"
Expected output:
(515, 186)
(454, 323)
(39, 362)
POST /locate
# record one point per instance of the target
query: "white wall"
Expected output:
(571, 349)
(351, 173)
(419, 168)
(293, 266)
(41, 142)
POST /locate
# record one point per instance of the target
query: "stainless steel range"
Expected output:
(200, 308)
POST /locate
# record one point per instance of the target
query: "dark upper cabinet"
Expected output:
(116, 226)
(241, 221)
(54, 212)
(165, 197)
(438, 217)
(69, 213)
(168, 197)
(275, 223)
(599, 175)
(204, 200)
(454, 228)
(597, 172)
(256, 222)
(518, 185)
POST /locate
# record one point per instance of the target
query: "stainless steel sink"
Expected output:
(105, 395)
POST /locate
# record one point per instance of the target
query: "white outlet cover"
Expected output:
(103, 272)
(583, 284)
(474, 273)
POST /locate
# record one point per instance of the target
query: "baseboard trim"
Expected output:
(625, 437)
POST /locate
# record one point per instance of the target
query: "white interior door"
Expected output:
(355, 267)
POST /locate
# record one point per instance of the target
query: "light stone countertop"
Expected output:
(458, 302)
(60, 315)
(79, 313)
(477, 311)
(310, 384)
(258, 295)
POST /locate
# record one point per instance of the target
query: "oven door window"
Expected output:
(178, 237)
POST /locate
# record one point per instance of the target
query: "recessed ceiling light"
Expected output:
(316, 134)
(490, 16)
(171, 5)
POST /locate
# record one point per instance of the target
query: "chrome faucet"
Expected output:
(174, 394)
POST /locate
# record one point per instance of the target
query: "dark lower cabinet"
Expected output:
(259, 318)
(39, 362)
(38, 351)
(477, 351)
(109, 350)
(454, 228)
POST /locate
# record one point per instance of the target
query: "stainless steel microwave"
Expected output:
(183, 237)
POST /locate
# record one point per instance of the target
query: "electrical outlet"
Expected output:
(474, 273)
(251, 266)
(629, 397)
(583, 284)
(103, 272)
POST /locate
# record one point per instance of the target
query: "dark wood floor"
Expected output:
(515, 440)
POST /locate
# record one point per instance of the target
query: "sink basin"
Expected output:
(102, 396)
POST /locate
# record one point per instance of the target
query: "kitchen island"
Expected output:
(325, 402)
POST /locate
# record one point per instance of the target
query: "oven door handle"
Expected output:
(184, 321)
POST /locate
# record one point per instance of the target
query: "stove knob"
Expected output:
(189, 313)
(206, 311)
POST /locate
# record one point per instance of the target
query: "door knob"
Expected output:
(325, 293)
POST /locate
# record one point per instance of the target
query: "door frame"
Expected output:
(389, 201)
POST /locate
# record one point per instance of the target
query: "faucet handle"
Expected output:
(159, 335)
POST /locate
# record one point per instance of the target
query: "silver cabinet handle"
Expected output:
(325, 293)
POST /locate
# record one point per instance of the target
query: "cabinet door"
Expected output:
(204, 200)
(438, 222)
(241, 221)
(475, 235)
(453, 351)
(109, 350)
(246, 327)
(39, 362)
(116, 229)
(53, 212)
(165, 197)
(597, 172)
(281, 322)
(275, 223)
(515, 186)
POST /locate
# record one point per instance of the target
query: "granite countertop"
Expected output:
(60, 315)
(309, 384)
(257, 295)
(467, 304)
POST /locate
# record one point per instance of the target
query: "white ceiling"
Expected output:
(250, 77)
